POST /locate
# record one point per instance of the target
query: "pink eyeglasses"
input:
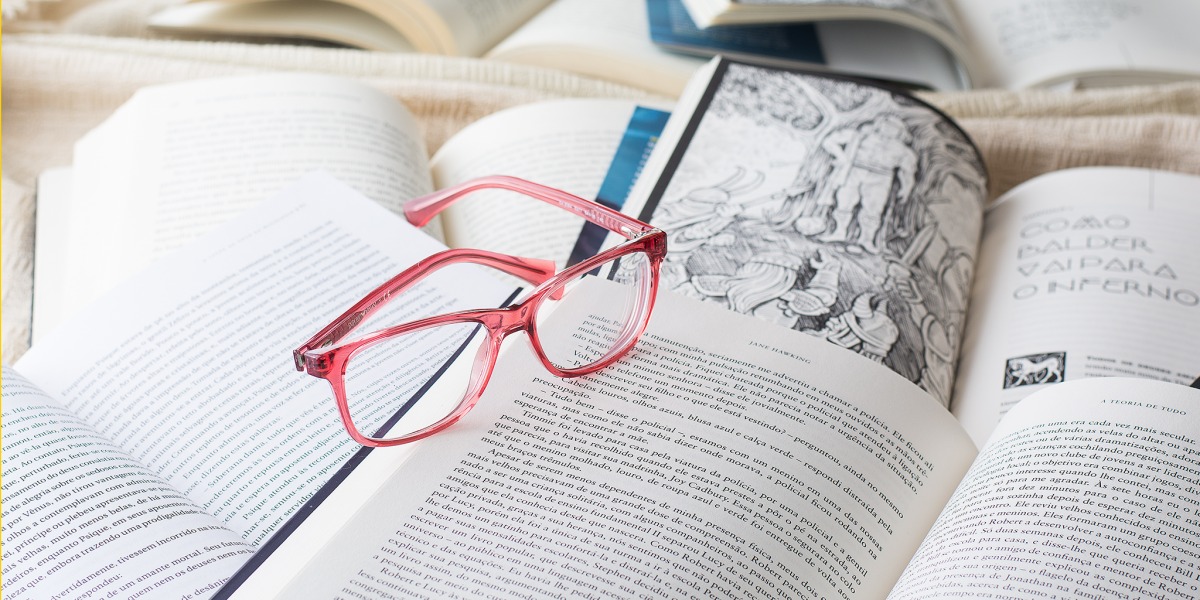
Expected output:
(406, 382)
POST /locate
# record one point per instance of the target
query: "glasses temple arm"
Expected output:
(421, 209)
(535, 271)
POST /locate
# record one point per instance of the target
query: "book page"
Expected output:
(1025, 43)
(50, 249)
(1082, 273)
(608, 39)
(565, 144)
(890, 52)
(933, 11)
(935, 18)
(727, 459)
(822, 204)
(1086, 490)
(308, 19)
(474, 25)
(83, 519)
(188, 367)
(179, 159)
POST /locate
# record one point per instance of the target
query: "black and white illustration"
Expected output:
(840, 209)
(1050, 367)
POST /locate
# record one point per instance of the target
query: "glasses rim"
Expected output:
(326, 354)
(496, 325)
(631, 332)
(488, 350)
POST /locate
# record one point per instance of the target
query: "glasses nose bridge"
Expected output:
(507, 321)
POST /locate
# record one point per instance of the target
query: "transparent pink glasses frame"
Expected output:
(326, 356)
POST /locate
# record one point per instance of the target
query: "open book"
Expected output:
(856, 214)
(179, 159)
(162, 434)
(607, 39)
(774, 467)
(1016, 43)
(715, 460)
(879, 49)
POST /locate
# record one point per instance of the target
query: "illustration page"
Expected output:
(1082, 273)
(826, 205)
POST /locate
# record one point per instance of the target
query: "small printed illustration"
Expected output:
(840, 209)
(1035, 369)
